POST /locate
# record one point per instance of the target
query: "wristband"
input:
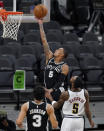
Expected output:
(62, 89)
(53, 102)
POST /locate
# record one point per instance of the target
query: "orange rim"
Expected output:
(11, 13)
(5, 13)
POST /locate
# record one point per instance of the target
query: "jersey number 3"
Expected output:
(50, 74)
(37, 120)
(75, 108)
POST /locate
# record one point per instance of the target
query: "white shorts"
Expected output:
(72, 124)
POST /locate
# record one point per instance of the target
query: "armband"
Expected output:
(53, 102)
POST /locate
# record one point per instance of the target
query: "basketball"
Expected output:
(40, 11)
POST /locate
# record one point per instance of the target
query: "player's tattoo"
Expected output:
(43, 37)
(63, 97)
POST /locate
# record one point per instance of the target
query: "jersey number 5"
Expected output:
(75, 108)
(50, 74)
(37, 120)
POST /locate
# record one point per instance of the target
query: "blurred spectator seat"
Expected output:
(6, 73)
(52, 25)
(99, 52)
(91, 64)
(1, 38)
(102, 39)
(56, 33)
(84, 51)
(36, 49)
(73, 65)
(71, 37)
(92, 46)
(54, 37)
(54, 46)
(26, 27)
(10, 57)
(30, 37)
(89, 37)
(7, 50)
(16, 46)
(71, 50)
(27, 49)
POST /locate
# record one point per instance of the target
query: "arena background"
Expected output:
(80, 25)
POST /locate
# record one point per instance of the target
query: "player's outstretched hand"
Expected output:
(20, 125)
(40, 21)
(92, 124)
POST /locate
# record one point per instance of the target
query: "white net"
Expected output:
(11, 25)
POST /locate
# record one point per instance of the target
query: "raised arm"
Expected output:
(57, 104)
(22, 115)
(47, 50)
(87, 109)
(63, 97)
(52, 117)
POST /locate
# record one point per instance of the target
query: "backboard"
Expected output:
(26, 6)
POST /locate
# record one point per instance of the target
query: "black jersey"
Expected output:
(37, 117)
(52, 73)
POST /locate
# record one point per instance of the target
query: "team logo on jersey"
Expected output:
(51, 67)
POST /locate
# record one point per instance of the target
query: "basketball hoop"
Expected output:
(11, 22)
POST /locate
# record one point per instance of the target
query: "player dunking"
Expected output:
(37, 112)
(75, 103)
(56, 70)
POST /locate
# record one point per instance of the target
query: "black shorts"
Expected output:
(56, 94)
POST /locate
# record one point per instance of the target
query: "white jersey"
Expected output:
(74, 106)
